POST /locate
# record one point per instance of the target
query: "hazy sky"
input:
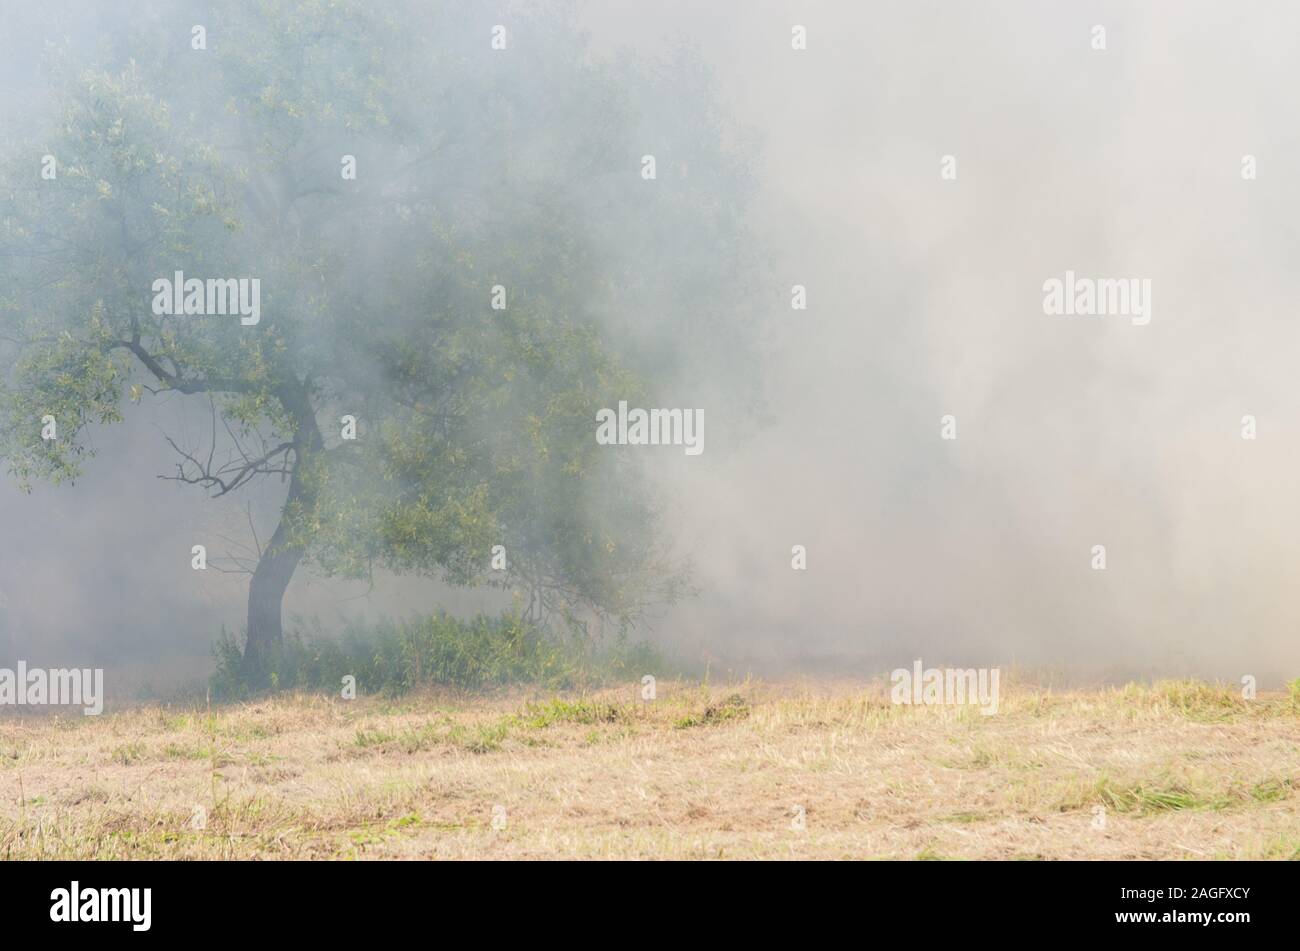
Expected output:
(925, 298)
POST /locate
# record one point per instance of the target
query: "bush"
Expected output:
(393, 657)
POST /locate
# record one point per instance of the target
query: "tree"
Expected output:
(434, 224)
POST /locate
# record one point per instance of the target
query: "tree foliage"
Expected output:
(475, 168)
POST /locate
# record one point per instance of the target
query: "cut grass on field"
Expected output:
(1174, 770)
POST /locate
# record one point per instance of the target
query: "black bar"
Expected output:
(302, 900)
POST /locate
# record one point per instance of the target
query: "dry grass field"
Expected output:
(1174, 770)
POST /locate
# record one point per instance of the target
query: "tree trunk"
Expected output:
(278, 562)
(265, 601)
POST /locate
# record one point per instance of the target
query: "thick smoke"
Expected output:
(924, 299)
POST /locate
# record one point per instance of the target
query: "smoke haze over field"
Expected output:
(925, 298)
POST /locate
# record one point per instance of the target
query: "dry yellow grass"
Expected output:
(1181, 770)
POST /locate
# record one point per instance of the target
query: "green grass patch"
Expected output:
(436, 650)
(1143, 799)
(538, 716)
(1193, 699)
(128, 754)
(734, 707)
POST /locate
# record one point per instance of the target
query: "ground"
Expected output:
(742, 770)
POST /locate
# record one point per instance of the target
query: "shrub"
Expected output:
(393, 657)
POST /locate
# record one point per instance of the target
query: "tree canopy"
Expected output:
(454, 247)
